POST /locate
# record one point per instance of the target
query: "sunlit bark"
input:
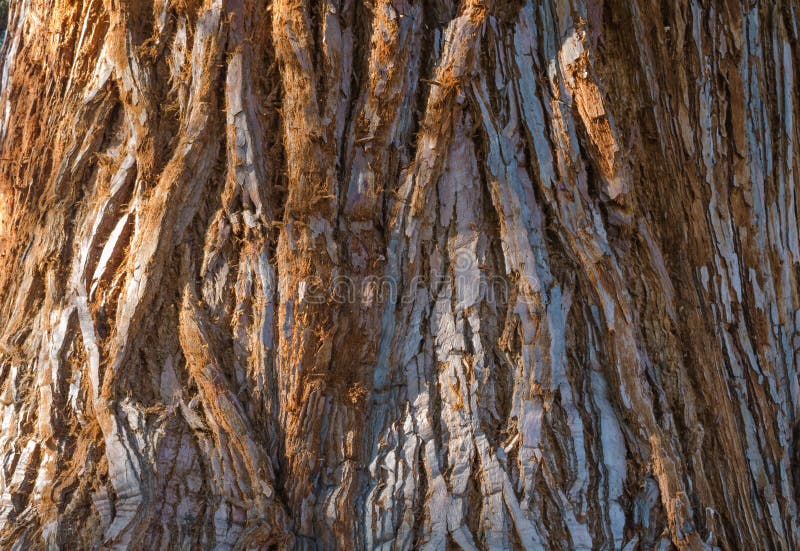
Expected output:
(399, 274)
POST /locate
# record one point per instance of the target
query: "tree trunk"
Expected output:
(399, 274)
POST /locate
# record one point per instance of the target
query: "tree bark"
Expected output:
(399, 274)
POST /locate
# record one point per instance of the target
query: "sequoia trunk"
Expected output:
(399, 274)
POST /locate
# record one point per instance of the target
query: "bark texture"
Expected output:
(399, 274)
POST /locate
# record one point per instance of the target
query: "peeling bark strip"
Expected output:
(399, 274)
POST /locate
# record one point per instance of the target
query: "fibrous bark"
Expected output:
(399, 274)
